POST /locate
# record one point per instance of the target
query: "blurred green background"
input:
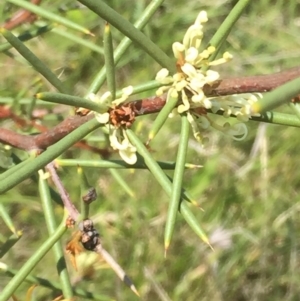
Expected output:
(249, 190)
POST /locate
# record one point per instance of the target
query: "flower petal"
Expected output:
(102, 118)
(128, 156)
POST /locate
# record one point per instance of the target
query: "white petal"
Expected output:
(212, 76)
(127, 90)
(227, 56)
(178, 49)
(189, 70)
(92, 97)
(102, 118)
(160, 91)
(192, 36)
(162, 74)
(198, 97)
(206, 103)
(182, 108)
(173, 93)
(114, 142)
(180, 85)
(105, 98)
(128, 155)
(191, 55)
(197, 84)
(202, 17)
(238, 131)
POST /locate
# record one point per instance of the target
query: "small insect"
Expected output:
(90, 196)
(89, 235)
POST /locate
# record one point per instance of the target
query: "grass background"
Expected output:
(248, 189)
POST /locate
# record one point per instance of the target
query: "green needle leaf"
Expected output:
(9, 243)
(177, 181)
(7, 220)
(119, 164)
(166, 184)
(26, 170)
(33, 60)
(73, 37)
(162, 116)
(224, 29)
(54, 285)
(193, 222)
(28, 35)
(28, 266)
(151, 85)
(14, 169)
(278, 118)
(49, 15)
(122, 183)
(70, 100)
(49, 214)
(125, 43)
(109, 61)
(281, 95)
(296, 108)
(111, 83)
(124, 26)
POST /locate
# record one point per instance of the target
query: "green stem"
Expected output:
(7, 219)
(24, 271)
(119, 164)
(124, 26)
(49, 155)
(109, 61)
(74, 38)
(9, 243)
(54, 285)
(28, 35)
(151, 85)
(125, 43)
(14, 169)
(166, 184)
(162, 116)
(70, 100)
(281, 95)
(224, 29)
(122, 183)
(49, 15)
(278, 118)
(51, 225)
(177, 180)
(33, 60)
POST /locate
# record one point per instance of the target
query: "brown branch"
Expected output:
(41, 141)
(260, 83)
(249, 84)
(69, 206)
(20, 17)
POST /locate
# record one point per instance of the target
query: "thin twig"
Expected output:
(20, 17)
(90, 240)
(116, 267)
(73, 212)
(149, 105)
(41, 141)
(250, 84)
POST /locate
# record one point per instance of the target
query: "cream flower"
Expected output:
(192, 75)
(117, 135)
(119, 141)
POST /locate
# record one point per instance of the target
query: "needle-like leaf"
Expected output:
(177, 181)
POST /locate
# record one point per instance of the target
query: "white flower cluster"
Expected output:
(117, 135)
(188, 82)
(192, 75)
